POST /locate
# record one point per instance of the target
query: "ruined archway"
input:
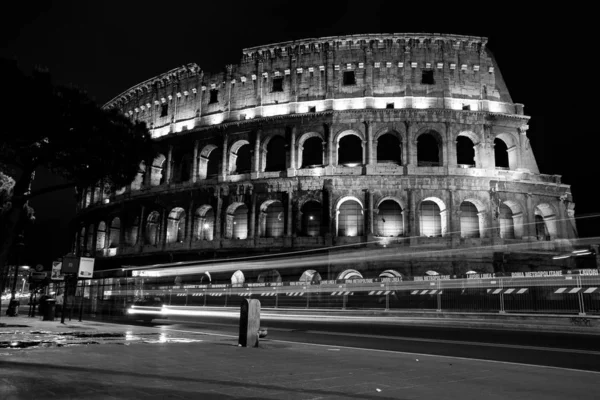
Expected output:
(432, 217)
(152, 236)
(311, 218)
(176, 225)
(204, 223)
(350, 217)
(389, 149)
(430, 149)
(271, 219)
(389, 219)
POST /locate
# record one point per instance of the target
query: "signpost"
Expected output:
(56, 271)
(86, 268)
(72, 269)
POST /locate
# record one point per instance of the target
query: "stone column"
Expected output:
(328, 208)
(329, 145)
(218, 208)
(194, 173)
(494, 215)
(224, 171)
(189, 225)
(252, 230)
(256, 167)
(451, 148)
(290, 201)
(169, 161)
(453, 219)
(369, 202)
(162, 241)
(292, 167)
(329, 79)
(412, 216)
(368, 71)
(529, 214)
(412, 146)
(562, 233)
(141, 229)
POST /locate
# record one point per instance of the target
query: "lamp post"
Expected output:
(13, 305)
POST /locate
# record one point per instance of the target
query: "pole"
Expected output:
(81, 302)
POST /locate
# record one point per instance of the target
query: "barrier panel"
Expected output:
(550, 292)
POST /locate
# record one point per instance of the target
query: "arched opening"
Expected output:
(507, 227)
(97, 194)
(431, 220)
(212, 165)
(272, 219)
(131, 232)
(390, 273)
(350, 151)
(388, 149)
(238, 278)
(310, 276)
(469, 220)
(390, 221)
(541, 231)
(115, 232)
(87, 199)
(276, 154)
(89, 242)
(312, 153)
(465, 152)
(350, 274)
(101, 236)
(429, 150)
(157, 177)
(204, 223)
(243, 160)
(516, 211)
(311, 218)
(350, 218)
(208, 162)
(152, 228)
(269, 276)
(545, 222)
(237, 222)
(500, 154)
(176, 225)
(183, 170)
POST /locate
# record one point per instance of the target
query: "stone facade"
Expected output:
(319, 143)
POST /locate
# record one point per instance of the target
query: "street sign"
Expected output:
(86, 267)
(56, 271)
(70, 265)
(39, 268)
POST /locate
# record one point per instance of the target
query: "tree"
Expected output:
(60, 128)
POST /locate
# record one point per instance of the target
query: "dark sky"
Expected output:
(106, 47)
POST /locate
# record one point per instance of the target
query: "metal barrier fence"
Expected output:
(567, 294)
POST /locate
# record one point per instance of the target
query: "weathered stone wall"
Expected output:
(467, 98)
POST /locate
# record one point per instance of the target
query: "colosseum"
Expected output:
(408, 145)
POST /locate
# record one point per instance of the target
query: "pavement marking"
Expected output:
(439, 356)
(487, 344)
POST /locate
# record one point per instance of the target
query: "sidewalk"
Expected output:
(139, 362)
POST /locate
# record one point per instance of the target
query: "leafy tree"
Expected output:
(59, 128)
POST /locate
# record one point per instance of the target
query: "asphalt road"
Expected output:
(563, 350)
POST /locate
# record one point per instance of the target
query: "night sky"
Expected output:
(107, 47)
